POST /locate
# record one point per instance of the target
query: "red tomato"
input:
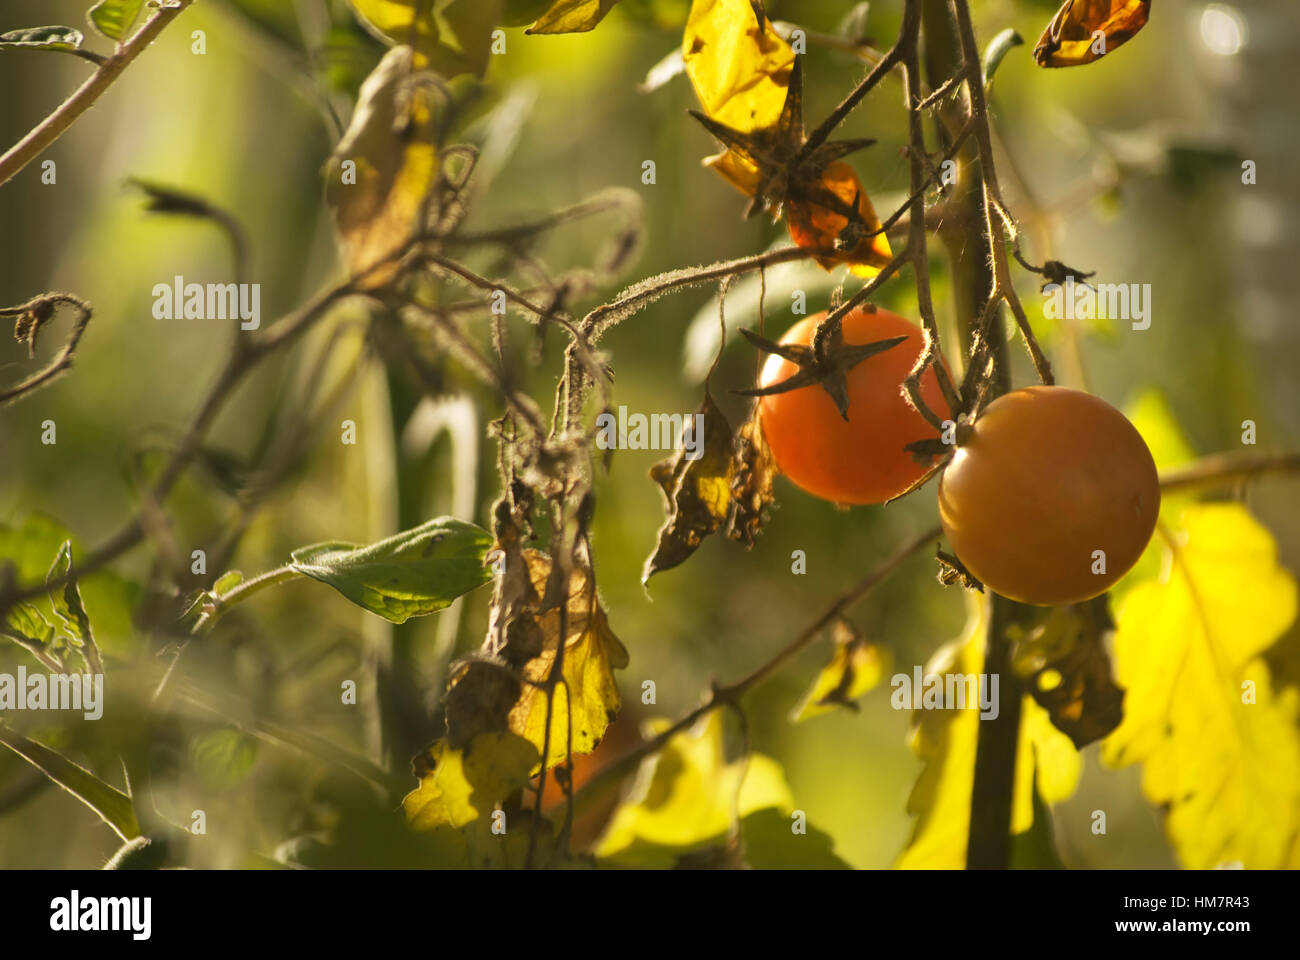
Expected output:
(860, 460)
(1052, 499)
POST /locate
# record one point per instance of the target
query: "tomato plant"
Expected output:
(1052, 498)
(371, 597)
(860, 460)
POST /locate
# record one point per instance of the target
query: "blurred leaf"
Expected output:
(663, 71)
(392, 141)
(29, 546)
(224, 757)
(572, 16)
(1068, 40)
(770, 844)
(274, 17)
(460, 786)
(450, 37)
(521, 12)
(410, 574)
(996, 52)
(946, 741)
(1151, 414)
(1035, 849)
(113, 18)
(853, 25)
(44, 38)
(484, 694)
(1188, 644)
(113, 806)
(26, 626)
(697, 492)
(688, 796)
(69, 608)
(855, 667)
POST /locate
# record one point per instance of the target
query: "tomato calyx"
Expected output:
(787, 172)
(825, 363)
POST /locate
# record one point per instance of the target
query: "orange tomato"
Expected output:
(1052, 499)
(812, 225)
(860, 460)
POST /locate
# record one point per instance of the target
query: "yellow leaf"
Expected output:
(946, 741)
(572, 16)
(1187, 650)
(461, 786)
(1085, 30)
(740, 70)
(485, 694)
(391, 143)
(856, 666)
(687, 796)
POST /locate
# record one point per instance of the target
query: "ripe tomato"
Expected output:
(1048, 477)
(812, 225)
(860, 460)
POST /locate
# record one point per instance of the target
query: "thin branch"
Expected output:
(52, 127)
(1226, 470)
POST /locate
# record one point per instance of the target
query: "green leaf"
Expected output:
(44, 38)
(417, 572)
(26, 626)
(113, 18)
(224, 757)
(227, 582)
(30, 544)
(70, 608)
(113, 806)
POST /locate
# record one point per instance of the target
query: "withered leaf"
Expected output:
(952, 570)
(502, 688)
(1085, 30)
(697, 492)
(751, 483)
(379, 201)
(855, 667)
(1068, 672)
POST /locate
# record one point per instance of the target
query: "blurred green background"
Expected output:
(1130, 168)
